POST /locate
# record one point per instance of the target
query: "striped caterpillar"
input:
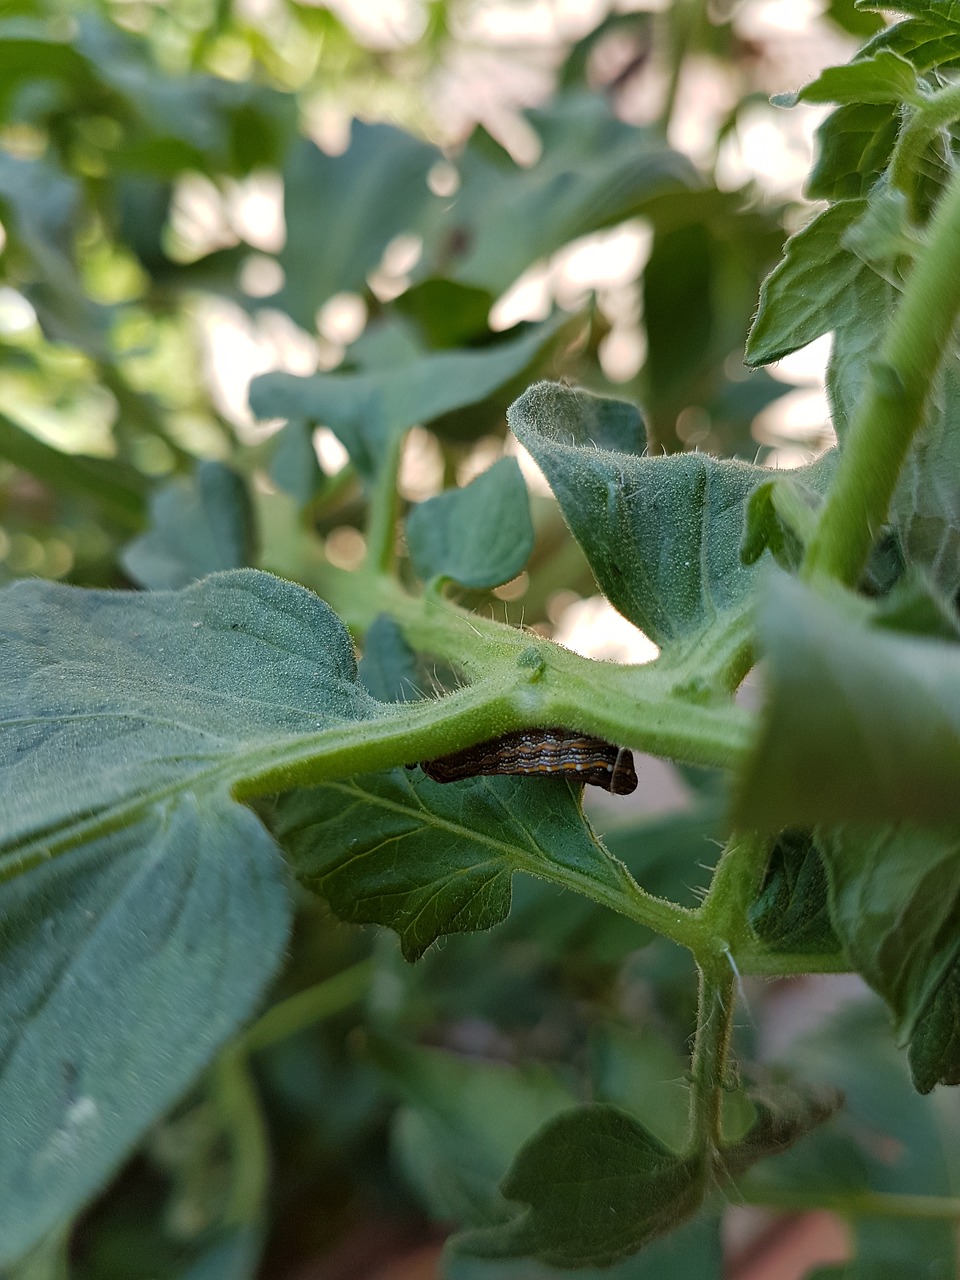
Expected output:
(541, 751)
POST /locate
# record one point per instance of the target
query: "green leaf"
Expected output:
(791, 913)
(859, 724)
(115, 700)
(782, 513)
(428, 858)
(927, 39)
(678, 313)
(480, 535)
(367, 409)
(389, 670)
(447, 314)
(895, 903)
(197, 526)
(593, 171)
(598, 1187)
(125, 963)
(854, 145)
(935, 1043)
(662, 535)
(294, 466)
(342, 211)
(883, 77)
(128, 716)
(811, 291)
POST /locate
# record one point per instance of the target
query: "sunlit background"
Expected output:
(496, 61)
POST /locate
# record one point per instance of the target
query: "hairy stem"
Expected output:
(892, 408)
(323, 1000)
(710, 1050)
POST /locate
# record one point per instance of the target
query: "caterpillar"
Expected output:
(541, 751)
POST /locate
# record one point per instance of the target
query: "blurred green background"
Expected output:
(195, 193)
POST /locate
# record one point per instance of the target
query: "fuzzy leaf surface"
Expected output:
(480, 535)
(662, 535)
(125, 963)
(142, 909)
(366, 409)
(895, 903)
(197, 526)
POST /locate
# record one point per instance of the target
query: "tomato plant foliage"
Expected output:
(201, 788)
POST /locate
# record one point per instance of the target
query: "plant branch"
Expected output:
(856, 1204)
(710, 1050)
(891, 410)
(383, 509)
(323, 1000)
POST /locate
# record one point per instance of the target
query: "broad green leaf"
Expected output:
(883, 77)
(895, 903)
(809, 293)
(593, 172)
(428, 858)
(678, 312)
(935, 1043)
(342, 211)
(389, 670)
(854, 144)
(294, 466)
(791, 912)
(692, 1250)
(597, 1186)
(197, 527)
(480, 535)
(859, 724)
(367, 409)
(662, 535)
(447, 314)
(127, 867)
(928, 38)
(125, 963)
(115, 700)
(464, 1122)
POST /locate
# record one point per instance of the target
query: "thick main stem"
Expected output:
(892, 409)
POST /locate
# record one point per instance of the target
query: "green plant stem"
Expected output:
(323, 1000)
(856, 1204)
(237, 1102)
(710, 1050)
(384, 509)
(892, 407)
(736, 882)
(684, 18)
